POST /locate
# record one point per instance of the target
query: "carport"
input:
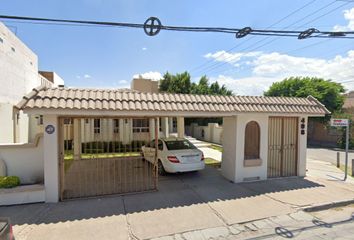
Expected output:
(263, 136)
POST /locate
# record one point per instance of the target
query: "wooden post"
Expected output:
(338, 160)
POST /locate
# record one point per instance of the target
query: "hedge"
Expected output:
(9, 182)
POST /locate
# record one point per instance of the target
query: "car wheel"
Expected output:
(161, 170)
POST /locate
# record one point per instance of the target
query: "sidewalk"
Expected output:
(185, 203)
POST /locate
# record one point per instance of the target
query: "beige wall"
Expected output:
(145, 85)
(24, 160)
(212, 132)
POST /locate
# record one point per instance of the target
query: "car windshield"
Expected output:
(179, 145)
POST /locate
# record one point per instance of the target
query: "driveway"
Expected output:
(184, 202)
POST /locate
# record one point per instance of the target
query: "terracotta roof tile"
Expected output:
(123, 99)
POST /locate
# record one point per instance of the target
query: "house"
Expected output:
(18, 76)
(264, 137)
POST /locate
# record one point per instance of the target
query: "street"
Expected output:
(329, 155)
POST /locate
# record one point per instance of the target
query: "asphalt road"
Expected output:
(328, 155)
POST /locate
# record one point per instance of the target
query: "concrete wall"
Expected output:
(255, 172)
(228, 164)
(51, 157)
(212, 133)
(302, 149)
(24, 160)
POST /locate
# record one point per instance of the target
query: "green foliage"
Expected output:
(327, 92)
(181, 83)
(111, 147)
(9, 182)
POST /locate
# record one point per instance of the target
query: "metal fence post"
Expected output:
(353, 167)
(338, 159)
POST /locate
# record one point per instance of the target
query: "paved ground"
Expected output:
(329, 155)
(211, 153)
(184, 203)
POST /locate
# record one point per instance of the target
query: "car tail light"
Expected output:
(11, 234)
(173, 159)
(202, 159)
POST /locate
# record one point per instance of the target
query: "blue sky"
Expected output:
(109, 57)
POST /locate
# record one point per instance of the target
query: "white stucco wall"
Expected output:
(228, 164)
(24, 161)
(257, 172)
(302, 150)
(51, 157)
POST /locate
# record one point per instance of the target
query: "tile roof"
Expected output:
(128, 100)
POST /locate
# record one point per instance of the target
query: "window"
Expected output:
(40, 120)
(179, 144)
(68, 121)
(97, 125)
(252, 140)
(141, 125)
(116, 125)
(1, 40)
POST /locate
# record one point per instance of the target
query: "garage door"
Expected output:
(102, 156)
(282, 146)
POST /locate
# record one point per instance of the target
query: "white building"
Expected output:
(18, 75)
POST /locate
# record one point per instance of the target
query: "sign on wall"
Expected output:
(49, 129)
(336, 122)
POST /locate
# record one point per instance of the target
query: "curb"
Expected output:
(328, 206)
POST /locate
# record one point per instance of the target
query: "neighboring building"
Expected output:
(18, 75)
(145, 85)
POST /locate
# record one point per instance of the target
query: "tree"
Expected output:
(327, 92)
(181, 83)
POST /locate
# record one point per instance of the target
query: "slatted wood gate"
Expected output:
(282, 146)
(101, 156)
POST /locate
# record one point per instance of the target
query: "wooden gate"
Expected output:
(282, 146)
(102, 156)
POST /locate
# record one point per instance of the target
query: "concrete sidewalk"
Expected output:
(184, 203)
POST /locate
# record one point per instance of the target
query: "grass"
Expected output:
(216, 147)
(69, 156)
(212, 162)
(342, 167)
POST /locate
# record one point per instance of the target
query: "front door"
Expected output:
(282, 146)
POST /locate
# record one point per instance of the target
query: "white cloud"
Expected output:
(144, 48)
(149, 75)
(232, 58)
(123, 82)
(87, 76)
(349, 16)
(269, 67)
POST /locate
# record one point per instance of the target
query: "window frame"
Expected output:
(252, 142)
(141, 125)
(97, 129)
(116, 125)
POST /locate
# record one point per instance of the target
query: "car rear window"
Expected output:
(179, 145)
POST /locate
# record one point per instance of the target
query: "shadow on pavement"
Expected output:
(175, 190)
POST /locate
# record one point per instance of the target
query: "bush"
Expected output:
(9, 182)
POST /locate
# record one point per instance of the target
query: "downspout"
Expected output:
(15, 111)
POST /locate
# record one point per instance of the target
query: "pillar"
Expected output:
(302, 140)
(77, 139)
(152, 128)
(165, 126)
(170, 124)
(51, 156)
(228, 163)
(180, 127)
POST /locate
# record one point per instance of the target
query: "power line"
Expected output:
(273, 40)
(272, 25)
(217, 65)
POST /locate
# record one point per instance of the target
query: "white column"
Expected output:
(180, 127)
(165, 126)
(170, 124)
(77, 139)
(51, 156)
(229, 137)
(152, 128)
(302, 148)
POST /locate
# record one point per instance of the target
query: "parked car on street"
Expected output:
(6, 229)
(174, 155)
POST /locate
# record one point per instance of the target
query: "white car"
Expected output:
(174, 155)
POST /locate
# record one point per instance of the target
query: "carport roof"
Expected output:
(76, 99)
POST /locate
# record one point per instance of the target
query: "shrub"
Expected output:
(9, 182)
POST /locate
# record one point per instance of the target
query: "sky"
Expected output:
(109, 57)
